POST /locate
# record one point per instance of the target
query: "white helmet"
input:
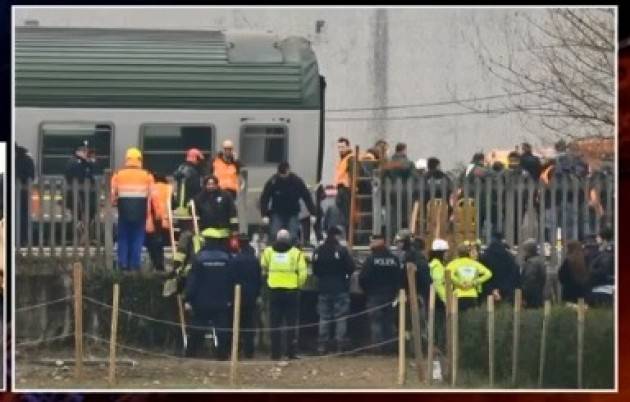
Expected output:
(421, 164)
(228, 144)
(439, 245)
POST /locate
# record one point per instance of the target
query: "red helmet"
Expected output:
(193, 155)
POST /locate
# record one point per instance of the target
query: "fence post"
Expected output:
(431, 335)
(543, 343)
(236, 325)
(415, 318)
(455, 347)
(491, 340)
(518, 299)
(401, 337)
(113, 335)
(580, 342)
(78, 319)
(109, 222)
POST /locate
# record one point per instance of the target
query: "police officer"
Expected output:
(332, 265)
(131, 187)
(247, 273)
(209, 294)
(468, 275)
(285, 268)
(381, 278)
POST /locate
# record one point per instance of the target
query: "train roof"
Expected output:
(166, 69)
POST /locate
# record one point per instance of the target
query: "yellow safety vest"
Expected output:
(466, 272)
(437, 277)
(285, 270)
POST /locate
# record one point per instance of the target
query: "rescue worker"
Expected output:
(467, 276)
(216, 209)
(247, 273)
(158, 224)
(285, 268)
(381, 278)
(437, 259)
(131, 187)
(79, 169)
(226, 168)
(188, 177)
(283, 191)
(342, 179)
(210, 294)
(332, 265)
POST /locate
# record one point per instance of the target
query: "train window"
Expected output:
(164, 145)
(263, 144)
(59, 140)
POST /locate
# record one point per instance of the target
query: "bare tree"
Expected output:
(560, 67)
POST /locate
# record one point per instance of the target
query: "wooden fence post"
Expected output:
(518, 300)
(401, 337)
(491, 340)
(455, 347)
(431, 335)
(543, 343)
(113, 335)
(78, 319)
(580, 342)
(236, 325)
(415, 319)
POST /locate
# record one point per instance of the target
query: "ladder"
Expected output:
(361, 220)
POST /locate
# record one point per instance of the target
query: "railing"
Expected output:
(515, 205)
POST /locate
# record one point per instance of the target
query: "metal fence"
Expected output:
(513, 204)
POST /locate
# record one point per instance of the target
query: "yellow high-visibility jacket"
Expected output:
(437, 271)
(467, 275)
(284, 269)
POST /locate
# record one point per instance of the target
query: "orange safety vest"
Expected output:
(130, 187)
(227, 173)
(160, 195)
(341, 174)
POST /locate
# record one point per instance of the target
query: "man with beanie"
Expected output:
(285, 268)
(247, 273)
(332, 265)
(505, 271)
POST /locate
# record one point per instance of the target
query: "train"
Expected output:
(165, 91)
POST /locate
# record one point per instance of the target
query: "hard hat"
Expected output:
(422, 164)
(193, 155)
(228, 144)
(439, 245)
(133, 153)
(403, 234)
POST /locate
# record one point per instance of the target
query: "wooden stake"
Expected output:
(414, 217)
(78, 319)
(518, 301)
(455, 347)
(236, 325)
(543, 343)
(431, 330)
(580, 343)
(113, 335)
(491, 340)
(415, 319)
(449, 329)
(401, 337)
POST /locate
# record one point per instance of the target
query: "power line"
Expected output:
(424, 116)
(439, 103)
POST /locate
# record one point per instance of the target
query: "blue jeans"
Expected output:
(130, 241)
(290, 223)
(333, 307)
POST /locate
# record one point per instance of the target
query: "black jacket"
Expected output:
(381, 274)
(216, 209)
(571, 289)
(189, 176)
(284, 195)
(423, 272)
(505, 270)
(332, 265)
(603, 267)
(210, 283)
(534, 277)
(247, 273)
(531, 164)
(79, 169)
(24, 165)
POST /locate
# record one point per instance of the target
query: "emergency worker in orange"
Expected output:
(131, 188)
(158, 224)
(342, 178)
(226, 168)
